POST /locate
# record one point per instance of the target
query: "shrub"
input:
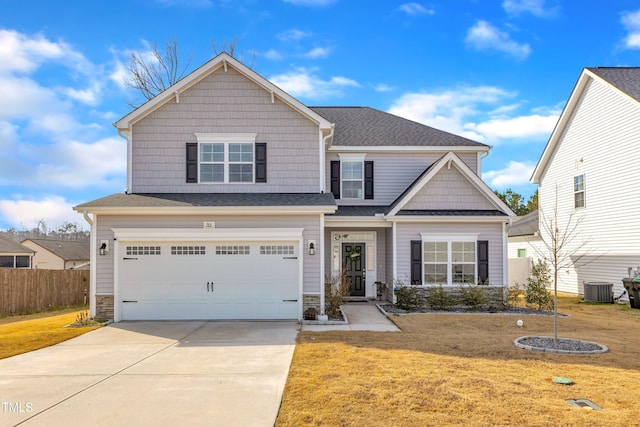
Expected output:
(473, 296)
(439, 299)
(514, 295)
(338, 288)
(537, 290)
(408, 297)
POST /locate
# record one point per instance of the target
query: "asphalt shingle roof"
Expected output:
(8, 246)
(143, 200)
(365, 126)
(627, 79)
(68, 250)
(525, 225)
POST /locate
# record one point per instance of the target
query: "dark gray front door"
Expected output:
(353, 262)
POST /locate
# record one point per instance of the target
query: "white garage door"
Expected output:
(208, 280)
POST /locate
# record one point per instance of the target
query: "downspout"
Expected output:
(92, 260)
(480, 157)
(323, 151)
(125, 136)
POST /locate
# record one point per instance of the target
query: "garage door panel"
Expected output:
(221, 280)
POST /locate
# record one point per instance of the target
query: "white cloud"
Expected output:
(303, 82)
(318, 52)
(515, 174)
(631, 23)
(534, 7)
(520, 127)
(482, 113)
(273, 55)
(24, 54)
(484, 36)
(415, 9)
(310, 2)
(294, 34)
(54, 210)
(382, 87)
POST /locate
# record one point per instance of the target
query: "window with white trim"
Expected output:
(352, 179)
(578, 191)
(449, 261)
(226, 158)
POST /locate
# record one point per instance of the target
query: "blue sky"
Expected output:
(497, 71)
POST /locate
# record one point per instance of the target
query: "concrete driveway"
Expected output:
(153, 373)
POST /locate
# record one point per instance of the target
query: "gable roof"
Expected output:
(624, 80)
(8, 246)
(68, 250)
(223, 60)
(432, 170)
(365, 126)
(526, 225)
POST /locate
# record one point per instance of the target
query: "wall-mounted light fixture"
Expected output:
(104, 247)
(312, 247)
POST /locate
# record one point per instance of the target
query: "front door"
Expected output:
(352, 262)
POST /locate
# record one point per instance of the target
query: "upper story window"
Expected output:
(352, 177)
(578, 191)
(228, 158)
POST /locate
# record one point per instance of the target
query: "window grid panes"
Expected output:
(226, 162)
(188, 250)
(232, 250)
(143, 250)
(352, 180)
(277, 250)
(578, 191)
(449, 262)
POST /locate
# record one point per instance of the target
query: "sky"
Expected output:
(496, 71)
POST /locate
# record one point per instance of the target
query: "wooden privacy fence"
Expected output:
(24, 291)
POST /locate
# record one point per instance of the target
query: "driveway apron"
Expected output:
(153, 373)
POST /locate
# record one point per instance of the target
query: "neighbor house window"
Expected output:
(352, 179)
(578, 191)
(522, 253)
(17, 261)
(450, 261)
(226, 158)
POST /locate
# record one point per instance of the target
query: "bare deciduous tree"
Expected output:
(153, 72)
(562, 249)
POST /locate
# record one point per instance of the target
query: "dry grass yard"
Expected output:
(20, 334)
(463, 369)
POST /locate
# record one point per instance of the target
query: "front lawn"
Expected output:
(26, 333)
(463, 369)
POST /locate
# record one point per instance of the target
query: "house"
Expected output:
(59, 254)
(525, 246)
(241, 201)
(14, 255)
(588, 178)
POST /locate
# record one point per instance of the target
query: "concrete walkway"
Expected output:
(153, 374)
(361, 316)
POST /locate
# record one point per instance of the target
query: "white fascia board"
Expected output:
(356, 221)
(447, 219)
(558, 130)
(201, 234)
(220, 61)
(208, 210)
(405, 149)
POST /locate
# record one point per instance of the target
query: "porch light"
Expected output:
(312, 247)
(103, 248)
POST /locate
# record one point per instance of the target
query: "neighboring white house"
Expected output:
(590, 169)
(525, 246)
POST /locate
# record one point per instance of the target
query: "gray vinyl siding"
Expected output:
(310, 223)
(491, 232)
(449, 189)
(394, 172)
(225, 102)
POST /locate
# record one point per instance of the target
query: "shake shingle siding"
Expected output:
(225, 102)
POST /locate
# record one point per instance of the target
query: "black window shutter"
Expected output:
(335, 178)
(261, 162)
(368, 180)
(416, 262)
(483, 260)
(192, 162)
